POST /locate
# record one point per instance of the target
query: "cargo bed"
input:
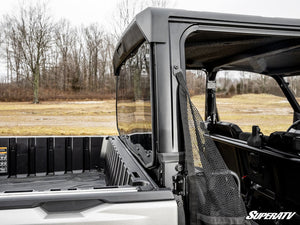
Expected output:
(87, 180)
(50, 169)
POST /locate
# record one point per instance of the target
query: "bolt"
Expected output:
(179, 203)
(176, 67)
(179, 167)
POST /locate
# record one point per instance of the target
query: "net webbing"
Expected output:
(213, 195)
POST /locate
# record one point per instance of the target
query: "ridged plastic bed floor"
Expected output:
(85, 180)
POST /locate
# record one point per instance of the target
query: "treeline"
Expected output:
(47, 60)
(54, 56)
(239, 82)
(246, 82)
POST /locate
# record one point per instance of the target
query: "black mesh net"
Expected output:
(213, 195)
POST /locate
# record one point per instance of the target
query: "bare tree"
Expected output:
(30, 40)
(13, 50)
(127, 9)
(94, 43)
(60, 57)
(65, 40)
(75, 64)
(1, 37)
(159, 3)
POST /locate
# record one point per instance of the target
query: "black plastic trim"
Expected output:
(266, 150)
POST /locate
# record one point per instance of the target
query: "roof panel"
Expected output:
(152, 23)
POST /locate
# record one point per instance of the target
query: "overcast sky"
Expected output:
(90, 11)
(101, 11)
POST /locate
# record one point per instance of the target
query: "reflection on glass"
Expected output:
(134, 109)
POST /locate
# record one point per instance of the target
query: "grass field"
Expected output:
(98, 117)
(58, 118)
(271, 113)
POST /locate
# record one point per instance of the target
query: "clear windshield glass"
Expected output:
(133, 105)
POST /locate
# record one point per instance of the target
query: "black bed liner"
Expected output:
(29, 156)
(69, 181)
(107, 172)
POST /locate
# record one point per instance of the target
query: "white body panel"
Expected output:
(144, 213)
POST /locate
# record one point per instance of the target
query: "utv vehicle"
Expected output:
(168, 165)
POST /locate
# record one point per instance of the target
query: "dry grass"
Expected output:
(98, 117)
(58, 118)
(271, 113)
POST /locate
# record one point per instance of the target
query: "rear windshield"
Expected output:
(133, 96)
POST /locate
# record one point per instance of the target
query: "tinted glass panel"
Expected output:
(134, 107)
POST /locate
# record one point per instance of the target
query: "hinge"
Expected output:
(179, 184)
(179, 181)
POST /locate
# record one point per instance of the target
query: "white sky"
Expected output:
(101, 11)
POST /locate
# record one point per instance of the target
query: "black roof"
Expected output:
(152, 25)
